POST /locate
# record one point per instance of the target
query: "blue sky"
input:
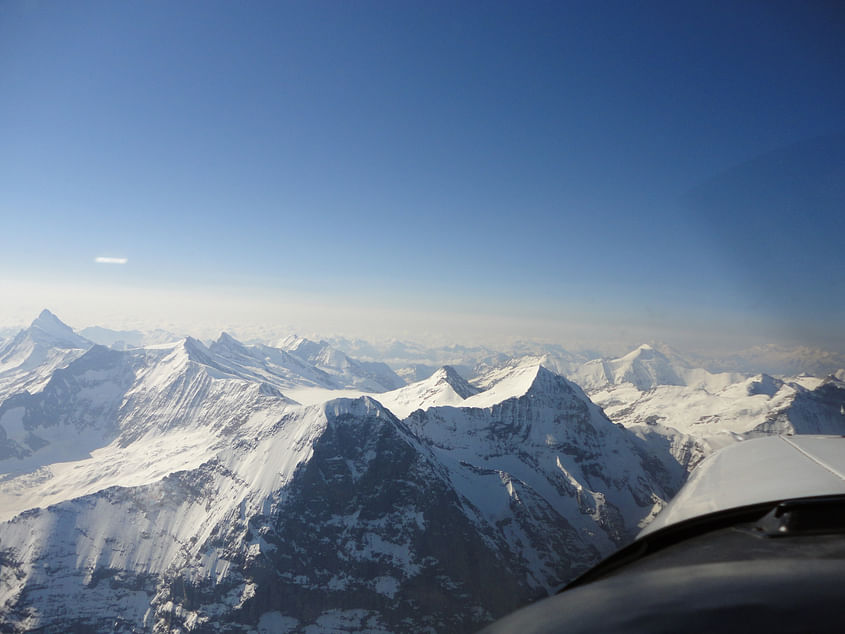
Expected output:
(652, 169)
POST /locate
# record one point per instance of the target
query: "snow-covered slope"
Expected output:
(133, 520)
(758, 404)
(117, 397)
(75, 412)
(690, 412)
(511, 380)
(820, 410)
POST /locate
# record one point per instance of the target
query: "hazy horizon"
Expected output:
(702, 351)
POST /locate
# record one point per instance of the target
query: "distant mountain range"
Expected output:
(415, 359)
(160, 485)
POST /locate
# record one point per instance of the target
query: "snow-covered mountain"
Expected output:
(692, 411)
(371, 376)
(27, 360)
(547, 467)
(444, 387)
(176, 486)
(644, 368)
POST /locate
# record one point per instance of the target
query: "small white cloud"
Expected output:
(106, 260)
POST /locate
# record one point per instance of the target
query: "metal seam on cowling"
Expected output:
(810, 456)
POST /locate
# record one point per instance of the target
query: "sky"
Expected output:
(475, 171)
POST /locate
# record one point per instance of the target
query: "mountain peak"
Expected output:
(645, 367)
(226, 339)
(543, 379)
(47, 321)
(50, 330)
(645, 351)
(449, 375)
(764, 384)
